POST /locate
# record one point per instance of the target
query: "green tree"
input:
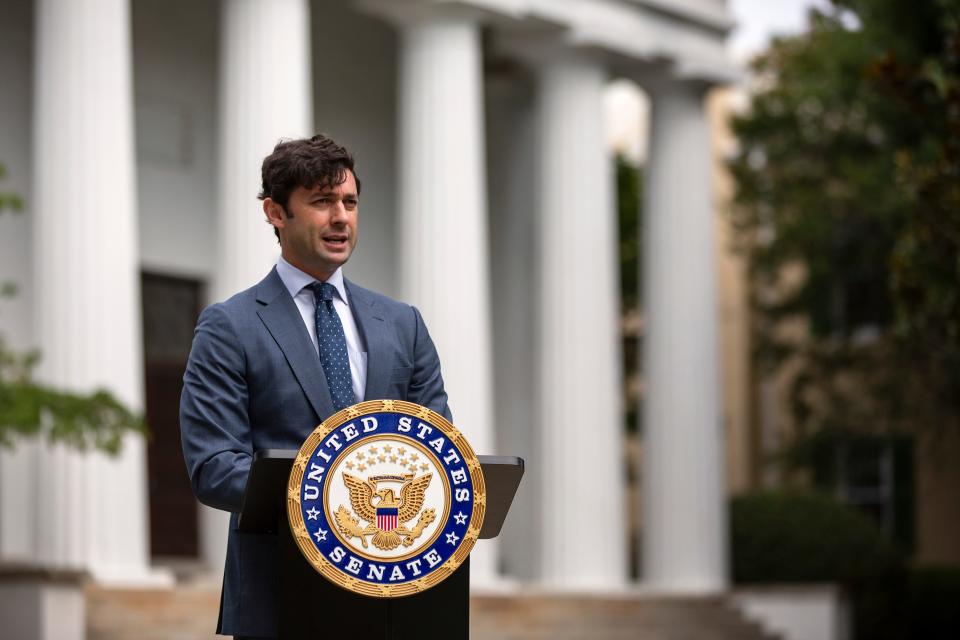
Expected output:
(27, 408)
(847, 176)
(923, 81)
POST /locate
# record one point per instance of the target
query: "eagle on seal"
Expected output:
(362, 495)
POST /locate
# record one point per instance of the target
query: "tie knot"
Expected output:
(322, 291)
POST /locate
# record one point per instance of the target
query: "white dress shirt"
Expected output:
(296, 282)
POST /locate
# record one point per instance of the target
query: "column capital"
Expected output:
(548, 49)
(680, 77)
(673, 84)
(403, 13)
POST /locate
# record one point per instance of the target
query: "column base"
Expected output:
(690, 587)
(134, 578)
(41, 603)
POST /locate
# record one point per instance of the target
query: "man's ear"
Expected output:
(276, 215)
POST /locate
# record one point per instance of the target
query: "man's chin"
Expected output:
(334, 261)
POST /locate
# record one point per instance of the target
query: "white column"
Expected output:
(443, 208)
(684, 524)
(265, 95)
(91, 510)
(581, 463)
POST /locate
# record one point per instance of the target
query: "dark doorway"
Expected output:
(170, 309)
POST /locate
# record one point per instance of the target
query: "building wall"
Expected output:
(733, 315)
(175, 80)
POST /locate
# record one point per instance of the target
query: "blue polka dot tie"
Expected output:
(333, 346)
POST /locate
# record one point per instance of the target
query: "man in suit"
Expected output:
(272, 362)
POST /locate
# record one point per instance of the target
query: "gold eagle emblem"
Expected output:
(362, 495)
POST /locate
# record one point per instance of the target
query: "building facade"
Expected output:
(135, 129)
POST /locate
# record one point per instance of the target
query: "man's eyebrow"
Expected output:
(327, 188)
(328, 191)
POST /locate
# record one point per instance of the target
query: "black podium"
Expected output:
(311, 607)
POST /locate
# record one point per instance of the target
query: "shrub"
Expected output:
(791, 537)
(805, 537)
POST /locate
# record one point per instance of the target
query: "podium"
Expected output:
(309, 606)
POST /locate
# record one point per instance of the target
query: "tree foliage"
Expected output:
(27, 408)
(848, 205)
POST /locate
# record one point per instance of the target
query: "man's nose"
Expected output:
(339, 211)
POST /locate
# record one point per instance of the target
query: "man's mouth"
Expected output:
(336, 239)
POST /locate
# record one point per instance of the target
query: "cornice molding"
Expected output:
(709, 13)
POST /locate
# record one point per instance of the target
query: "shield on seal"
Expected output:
(387, 518)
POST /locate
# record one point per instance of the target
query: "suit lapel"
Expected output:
(282, 319)
(376, 334)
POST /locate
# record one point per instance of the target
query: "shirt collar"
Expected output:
(295, 280)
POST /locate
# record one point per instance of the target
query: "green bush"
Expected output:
(805, 537)
(795, 537)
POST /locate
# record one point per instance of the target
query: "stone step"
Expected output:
(183, 613)
(611, 618)
(190, 613)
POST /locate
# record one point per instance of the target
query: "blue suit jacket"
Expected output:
(254, 381)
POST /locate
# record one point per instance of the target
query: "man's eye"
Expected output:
(322, 201)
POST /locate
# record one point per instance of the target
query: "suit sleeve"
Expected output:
(426, 382)
(214, 422)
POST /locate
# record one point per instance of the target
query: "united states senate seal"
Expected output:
(386, 498)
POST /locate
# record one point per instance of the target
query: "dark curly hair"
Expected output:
(306, 162)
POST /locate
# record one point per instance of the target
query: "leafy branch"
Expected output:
(29, 409)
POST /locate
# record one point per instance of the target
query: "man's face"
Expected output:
(321, 231)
